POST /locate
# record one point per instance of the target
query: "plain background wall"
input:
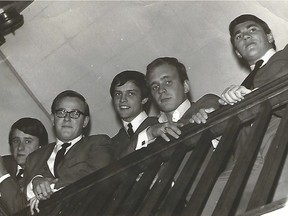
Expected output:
(15, 103)
(82, 45)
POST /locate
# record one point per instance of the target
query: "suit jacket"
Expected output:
(122, 143)
(10, 165)
(11, 193)
(273, 69)
(84, 157)
(276, 67)
(207, 101)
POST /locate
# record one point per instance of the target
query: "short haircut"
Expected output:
(30, 126)
(180, 68)
(70, 93)
(136, 77)
(249, 17)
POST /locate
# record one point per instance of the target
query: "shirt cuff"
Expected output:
(143, 140)
(4, 177)
(29, 190)
(215, 142)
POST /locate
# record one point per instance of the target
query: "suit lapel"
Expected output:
(147, 122)
(43, 166)
(69, 156)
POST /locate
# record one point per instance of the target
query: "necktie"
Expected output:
(59, 157)
(130, 130)
(248, 82)
(20, 174)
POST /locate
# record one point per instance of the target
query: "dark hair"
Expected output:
(136, 77)
(169, 61)
(30, 126)
(70, 93)
(249, 17)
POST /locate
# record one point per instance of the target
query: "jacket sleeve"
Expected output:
(12, 196)
(207, 101)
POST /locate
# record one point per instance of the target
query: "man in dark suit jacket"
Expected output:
(254, 44)
(168, 82)
(44, 171)
(130, 97)
(26, 135)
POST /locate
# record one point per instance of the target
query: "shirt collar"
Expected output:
(59, 142)
(177, 114)
(265, 58)
(136, 122)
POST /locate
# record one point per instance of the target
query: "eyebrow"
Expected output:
(162, 78)
(129, 90)
(247, 27)
(63, 109)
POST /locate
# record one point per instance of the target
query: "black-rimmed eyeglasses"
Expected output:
(74, 114)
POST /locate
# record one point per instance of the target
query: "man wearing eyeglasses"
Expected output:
(72, 156)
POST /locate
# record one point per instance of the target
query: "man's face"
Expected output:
(128, 101)
(68, 128)
(251, 42)
(166, 88)
(22, 145)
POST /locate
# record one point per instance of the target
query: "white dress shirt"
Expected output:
(136, 122)
(177, 114)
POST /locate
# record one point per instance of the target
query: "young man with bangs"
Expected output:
(26, 135)
(130, 97)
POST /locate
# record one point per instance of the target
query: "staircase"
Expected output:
(179, 177)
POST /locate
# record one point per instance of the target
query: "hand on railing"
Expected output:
(233, 94)
(42, 187)
(162, 129)
(201, 116)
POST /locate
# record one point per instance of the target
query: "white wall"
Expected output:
(16, 103)
(82, 45)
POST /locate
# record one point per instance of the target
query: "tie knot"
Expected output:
(65, 145)
(258, 64)
(130, 125)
